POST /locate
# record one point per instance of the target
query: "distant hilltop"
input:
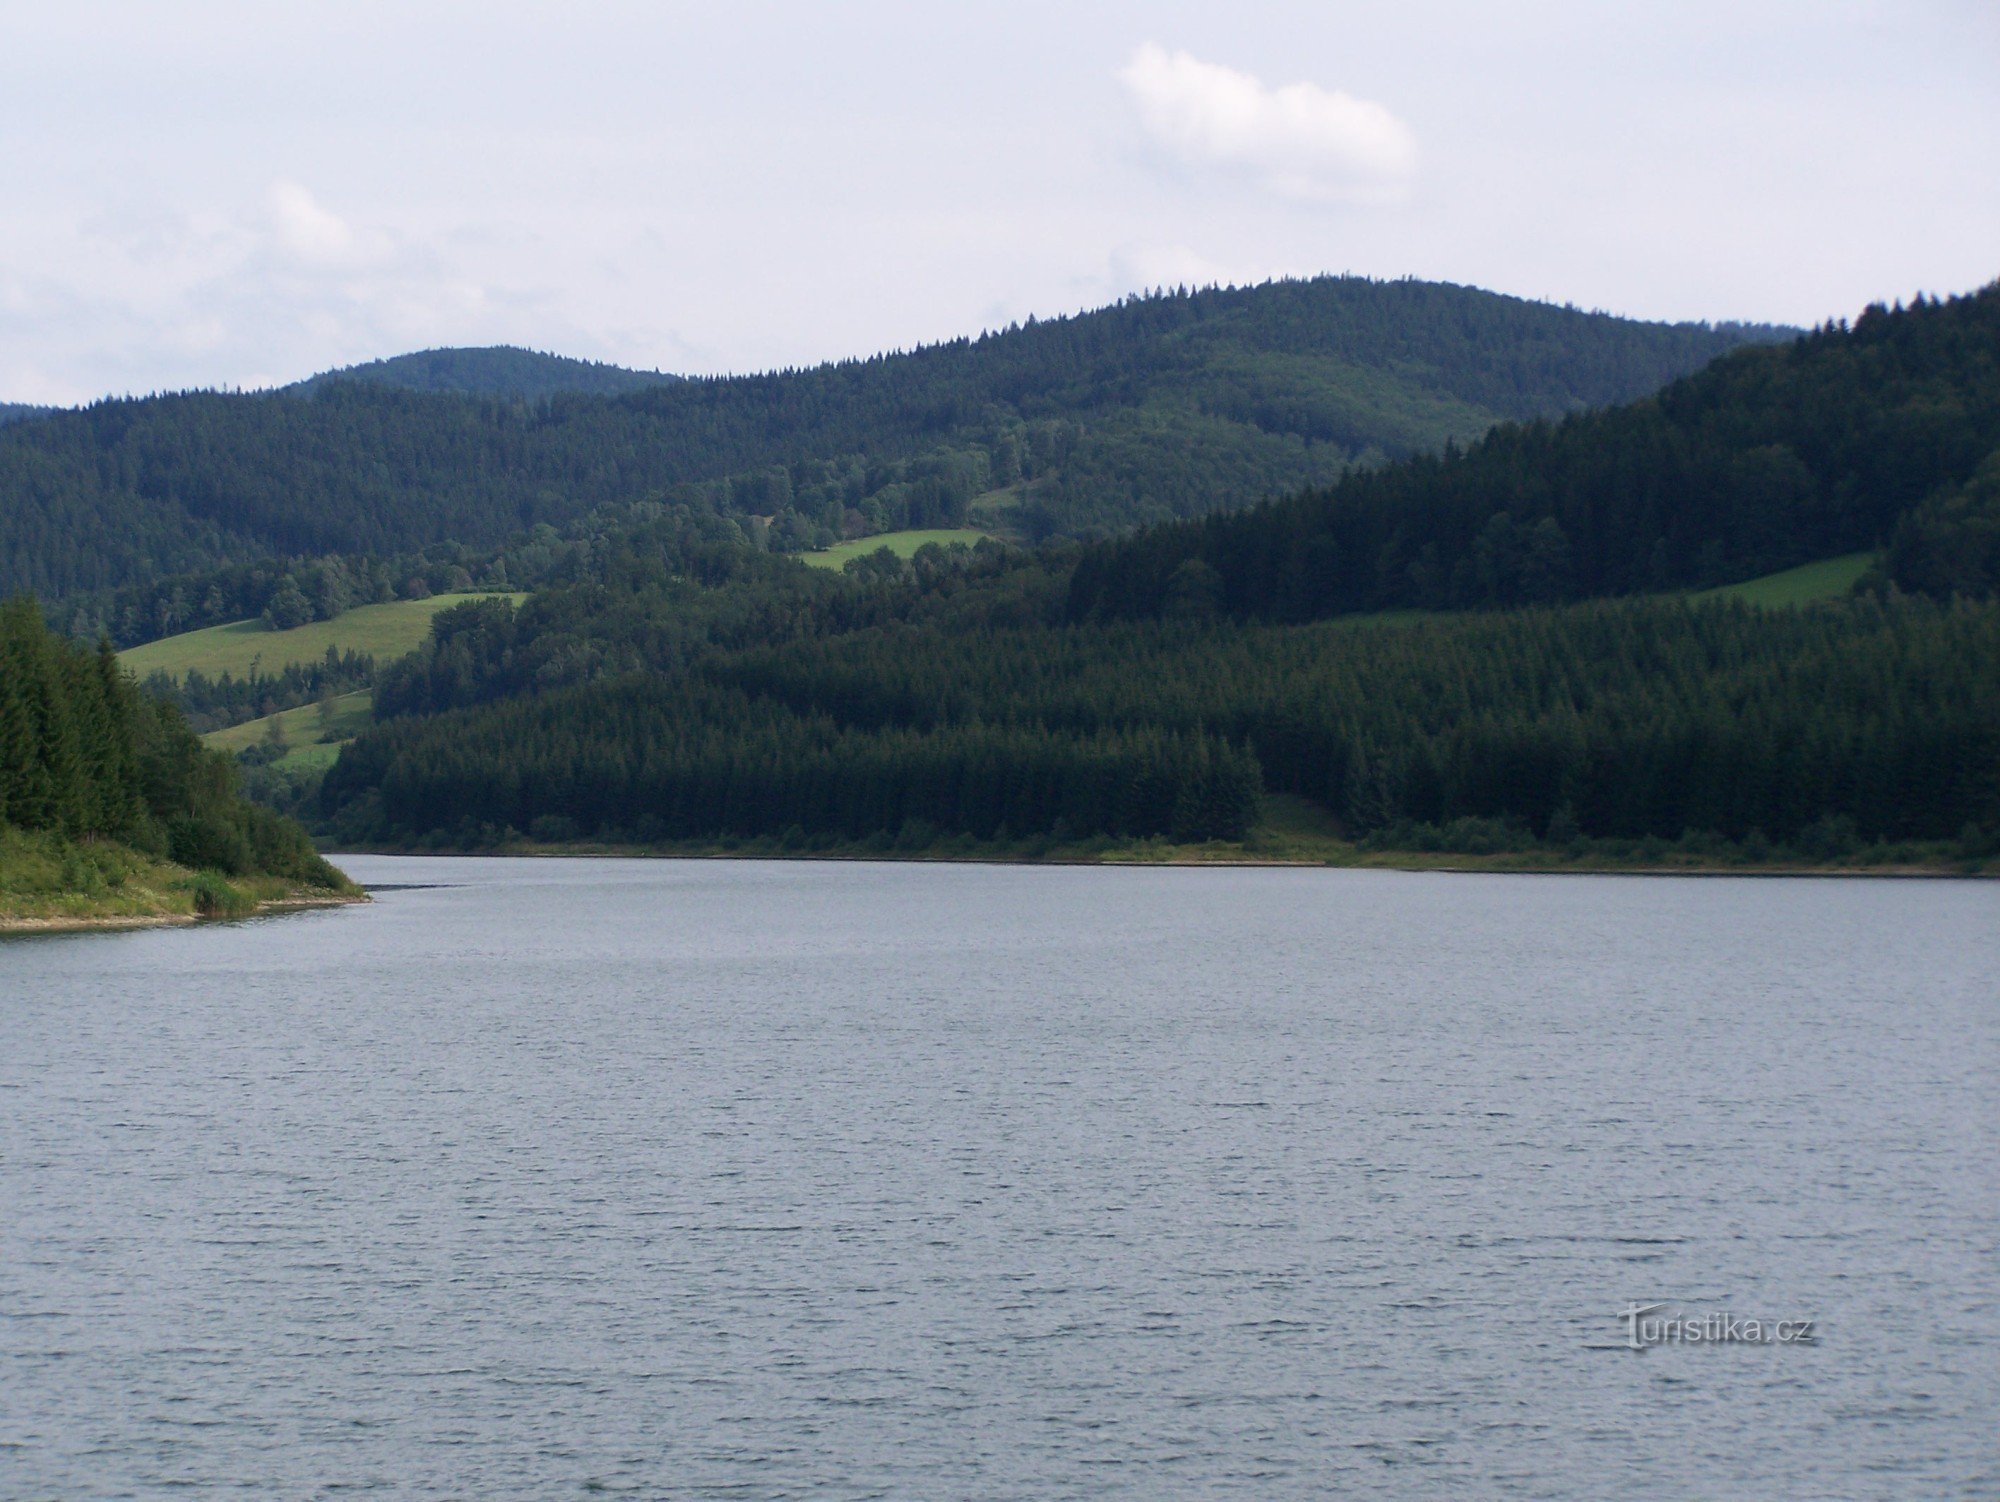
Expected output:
(495, 370)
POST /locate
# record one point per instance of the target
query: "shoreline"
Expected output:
(1404, 862)
(22, 925)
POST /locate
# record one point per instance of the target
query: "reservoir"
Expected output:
(688, 1179)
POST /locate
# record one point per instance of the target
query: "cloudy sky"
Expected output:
(230, 192)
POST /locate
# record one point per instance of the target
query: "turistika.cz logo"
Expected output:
(1647, 1326)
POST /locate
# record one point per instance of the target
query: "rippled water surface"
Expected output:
(768, 1180)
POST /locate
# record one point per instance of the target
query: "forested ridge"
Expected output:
(1161, 406)
(87, 759)
(695, 690)
(1847, 439)
(493, 370)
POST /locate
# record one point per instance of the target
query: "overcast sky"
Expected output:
(221, 193)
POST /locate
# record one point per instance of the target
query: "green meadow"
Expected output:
(314, 739)
(384, 632)
(1827, 579)
(902, 544)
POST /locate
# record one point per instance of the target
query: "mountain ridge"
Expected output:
(1153, 408)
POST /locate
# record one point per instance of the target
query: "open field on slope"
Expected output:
(384, 632)
(303, 728)
(902, 544)
(1827, 579)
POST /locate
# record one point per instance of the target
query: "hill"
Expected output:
(1886, 433)
(1158, 407)
(21, 412)
(500, 370)
(1157, 688)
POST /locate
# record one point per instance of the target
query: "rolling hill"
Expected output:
(1158, 407)
(1527, 655)
(500, 370)
(1840, 442)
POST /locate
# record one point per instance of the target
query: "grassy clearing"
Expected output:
(48, 882)
(1827, 579)
(303, 728)
(384, 632)
(902, 544)
(314, 758)
(994, 509)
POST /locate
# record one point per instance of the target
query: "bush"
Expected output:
(204, 842)
(216, 898)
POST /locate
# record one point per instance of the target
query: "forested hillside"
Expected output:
(1869, 720)
(96, 776)
(694, 689)
(497, 370)
(1841, 441)
(1162, 406)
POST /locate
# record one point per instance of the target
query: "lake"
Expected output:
(758, 1179)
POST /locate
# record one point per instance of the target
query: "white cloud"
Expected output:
(307, 230)
(1298, 140)
(264, 290)
(191, 198)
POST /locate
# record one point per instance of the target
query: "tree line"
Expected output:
(650, 759)
(84, 754)
(1628, 719)
(224, 700)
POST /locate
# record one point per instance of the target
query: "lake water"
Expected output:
(759, 1180)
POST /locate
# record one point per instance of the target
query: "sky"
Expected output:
(215, 193)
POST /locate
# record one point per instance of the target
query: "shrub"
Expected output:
(216, 898)
(203, 842)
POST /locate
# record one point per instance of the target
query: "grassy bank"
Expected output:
(51, 883)
(1295, 832)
